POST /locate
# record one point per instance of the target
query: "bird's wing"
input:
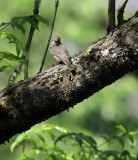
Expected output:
(61, 53)
(64, 49)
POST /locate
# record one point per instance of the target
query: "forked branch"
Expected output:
(121, 9)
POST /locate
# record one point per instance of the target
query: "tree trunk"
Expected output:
(56, 89)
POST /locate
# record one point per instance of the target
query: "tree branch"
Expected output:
(111, 15)
(120, 13)
(56, 89)
(27, 48)
(52, 27)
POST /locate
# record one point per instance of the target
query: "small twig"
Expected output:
(32, 29)
(47, 46)
(27, 47)
(26, 65)
(26, 53)
(111, 15)
(121, 9)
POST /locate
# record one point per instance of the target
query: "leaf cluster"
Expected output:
(19, 23)
(65, 145)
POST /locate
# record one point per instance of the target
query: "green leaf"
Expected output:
(12, 39)
(105, 138)
(18, 140)
(24, 144)
(30, 20)
(32, 141)
(10, 56)
(61, 129)
(41, 19)
(137, 157)
(121, 141)
(18, 49)
(14, 23)
(16, 19)
(79, 139)
(4, 68)
(111, 153)
(19, 26)
(40, 137)
(60, 138)
(4, 25)
(4, 34)
(25, 158)
(125, 154)
(131, 138)
(89, 140)
(121, 128)
(56, 149)
(23, 21)
(51, 134)
(13, 146)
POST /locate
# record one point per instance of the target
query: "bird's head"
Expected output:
(56, 41)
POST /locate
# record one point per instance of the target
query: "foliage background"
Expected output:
(79, 23)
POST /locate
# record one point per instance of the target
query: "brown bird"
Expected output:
(59, 51)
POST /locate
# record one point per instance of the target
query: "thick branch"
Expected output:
(55, 90)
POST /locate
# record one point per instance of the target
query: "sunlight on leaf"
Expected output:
(121, 128)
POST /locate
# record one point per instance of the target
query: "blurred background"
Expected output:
(79, 23)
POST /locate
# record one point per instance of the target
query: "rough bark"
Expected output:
(56, 89)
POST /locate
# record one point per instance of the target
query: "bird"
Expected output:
(59, 51)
